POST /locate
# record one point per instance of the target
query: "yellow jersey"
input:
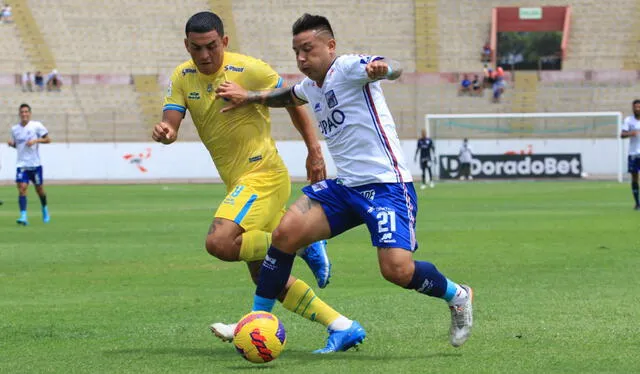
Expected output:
(239, 140)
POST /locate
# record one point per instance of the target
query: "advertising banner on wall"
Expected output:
(515, 166)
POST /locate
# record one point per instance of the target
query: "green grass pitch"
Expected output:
(119, 282)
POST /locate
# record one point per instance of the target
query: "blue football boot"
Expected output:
(344, 339)
(316, 258)
(23, 219)
(45, 215)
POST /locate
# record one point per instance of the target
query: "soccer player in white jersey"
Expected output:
(631, 130)
(25, 138)
(373, 186)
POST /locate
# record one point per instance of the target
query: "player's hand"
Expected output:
(316, 168)
(377, 69)
(31, 142)
(164, 133)
(233, 93)
(11, 144)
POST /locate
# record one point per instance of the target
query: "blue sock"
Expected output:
(274, 273)
(22, 201)
(634, 189)
(43, 200)
(429, 281)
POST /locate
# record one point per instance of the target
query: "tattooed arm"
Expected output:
(238, 96)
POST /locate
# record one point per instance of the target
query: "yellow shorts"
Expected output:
(257, 201)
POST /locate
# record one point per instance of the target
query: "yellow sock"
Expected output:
(303, 301)
(254, 245)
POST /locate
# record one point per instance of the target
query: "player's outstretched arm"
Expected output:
(316, 168)
(238, 96)
(384, 69)
(166, 132)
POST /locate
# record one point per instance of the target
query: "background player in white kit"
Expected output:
(25, 138)
(631, 130)
(373, 185)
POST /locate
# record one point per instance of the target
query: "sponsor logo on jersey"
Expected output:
(255, 158)
(194, 96)
(233, 68)
(317, 108)
(387, 238)
(209, 88)
(368, 194)
(329, 124)
(188, 71)
(322, 185)
(170, 89)
(365, 59)
(332, 101)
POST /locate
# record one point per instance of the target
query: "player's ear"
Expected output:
(331, 43)
(225, 41)
(186, 44)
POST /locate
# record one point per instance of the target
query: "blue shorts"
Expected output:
(26, 174)
(388, 209)
(633, 163)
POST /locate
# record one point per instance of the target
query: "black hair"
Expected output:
(636, 101)
(204, 22)
(24, 105)
(311, 22)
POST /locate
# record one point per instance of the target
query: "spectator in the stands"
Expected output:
(465, 86)
(38, 80)
(5, 14)
(27, 82)
(54, 83)
(486, 52)
(476, 86)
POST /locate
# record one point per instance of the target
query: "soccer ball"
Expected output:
(259, 337)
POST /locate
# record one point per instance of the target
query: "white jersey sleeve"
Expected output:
(353, 116)
(354, 66)
(40, 130)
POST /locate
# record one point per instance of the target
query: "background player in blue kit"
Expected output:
(373, 185)
(26, 137)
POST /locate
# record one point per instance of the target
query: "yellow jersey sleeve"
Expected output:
(262, 77)
(174, 98)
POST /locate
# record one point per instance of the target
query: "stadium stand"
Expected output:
(115, 62)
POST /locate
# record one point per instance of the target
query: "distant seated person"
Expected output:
(498, 85)
(54, 83)
(38, 80)
(488, 76)
(465, 86)
(486, 52)
(27, 82)
(5, 14)
(476, 86)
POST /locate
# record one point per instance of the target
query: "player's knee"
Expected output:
(399, 273)
(221, 247)
(286, 237)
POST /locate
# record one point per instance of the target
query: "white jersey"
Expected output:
(465, 154)
(28, 156)
(356, 123)
(632, 124)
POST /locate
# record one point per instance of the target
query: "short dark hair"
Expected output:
(311, 22)
(204, 22)
(24, 105)
(636, 101)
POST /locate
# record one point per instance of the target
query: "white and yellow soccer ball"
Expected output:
(259, 337)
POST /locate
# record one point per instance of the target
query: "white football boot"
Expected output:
(461, 318)
(223, 331)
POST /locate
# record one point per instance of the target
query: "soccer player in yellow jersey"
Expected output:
(241, 146)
